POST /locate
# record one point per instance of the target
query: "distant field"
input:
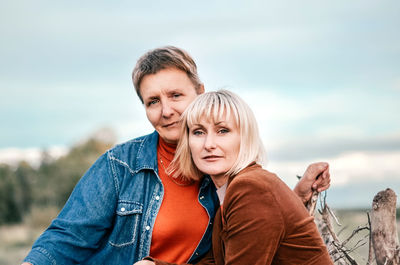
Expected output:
(350, 219)
(16, 240)
(15, 243)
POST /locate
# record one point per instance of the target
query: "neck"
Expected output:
(219, 180)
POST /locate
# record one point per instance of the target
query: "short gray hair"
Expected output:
(161, 58)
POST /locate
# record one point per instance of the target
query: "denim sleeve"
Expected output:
(82, 224)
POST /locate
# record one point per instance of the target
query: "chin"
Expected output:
(171, 139)
(213, 172)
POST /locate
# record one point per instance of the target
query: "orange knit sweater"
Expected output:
(181, 221)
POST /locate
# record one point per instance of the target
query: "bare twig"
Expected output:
(370, 248)
(358, 229)
(333, 215)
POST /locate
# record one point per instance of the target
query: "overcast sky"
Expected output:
(323, 78)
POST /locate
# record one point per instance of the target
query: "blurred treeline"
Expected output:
(49, 185)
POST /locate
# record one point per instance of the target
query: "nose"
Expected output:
(167, 111)
(209, 143)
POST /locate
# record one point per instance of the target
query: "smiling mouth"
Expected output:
(170, 124)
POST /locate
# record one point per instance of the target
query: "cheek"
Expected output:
(189, 99)
(194, 148)
(235, 149)
(181, 107)
(152, 116)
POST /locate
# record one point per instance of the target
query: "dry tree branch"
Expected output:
(370, 247)
(358, 229)
(312, 203)
(340, 253)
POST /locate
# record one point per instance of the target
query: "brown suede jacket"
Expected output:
(263, 222)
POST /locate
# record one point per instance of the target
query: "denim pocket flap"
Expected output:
(127, 208)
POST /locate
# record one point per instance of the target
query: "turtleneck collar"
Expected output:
(166, 150)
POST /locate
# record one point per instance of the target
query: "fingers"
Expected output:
(317, 183)
(315, 169)
(318, 168)
(144, 262)
(315, 178)
(319, 174)
(324, 188)
(323, 182)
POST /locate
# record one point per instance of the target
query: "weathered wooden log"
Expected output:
(384, 229)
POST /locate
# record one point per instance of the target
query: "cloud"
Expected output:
(319, 147)
(346, 168)
(324, 124)
(33, 156)
(355, 176)
(396, 85)
(361, 166)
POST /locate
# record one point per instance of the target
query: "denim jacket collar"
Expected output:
(147, 152)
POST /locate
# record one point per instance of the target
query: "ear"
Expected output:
(200, 90)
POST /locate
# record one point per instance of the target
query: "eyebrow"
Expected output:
(175, 90)
(197, 125)
(215, 123)
(151, 98)
(220, 122)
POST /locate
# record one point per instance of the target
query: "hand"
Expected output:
(316, 177)
(144, 262)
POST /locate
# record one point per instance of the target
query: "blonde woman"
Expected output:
(260, 221)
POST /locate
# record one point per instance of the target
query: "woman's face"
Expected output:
(166, 95)
(215, 146)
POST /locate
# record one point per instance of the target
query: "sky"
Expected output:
(323, 78)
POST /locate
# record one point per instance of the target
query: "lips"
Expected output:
(170, 124)
(211, 157)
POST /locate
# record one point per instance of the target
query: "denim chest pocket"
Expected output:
(127, 223)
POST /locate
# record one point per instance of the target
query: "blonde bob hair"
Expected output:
(213, 106)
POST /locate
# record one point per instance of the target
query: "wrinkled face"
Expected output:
(215, 145)
(166, 95)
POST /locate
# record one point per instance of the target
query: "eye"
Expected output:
(223, 130)
(197, 132)
(152, 102)
(176, 95)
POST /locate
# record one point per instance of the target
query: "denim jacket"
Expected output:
(110, 214)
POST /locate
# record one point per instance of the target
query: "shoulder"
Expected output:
(253, 177)
(255, 181)
(136, 153)
(134, 144)
(253, 192)
(260, 183)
